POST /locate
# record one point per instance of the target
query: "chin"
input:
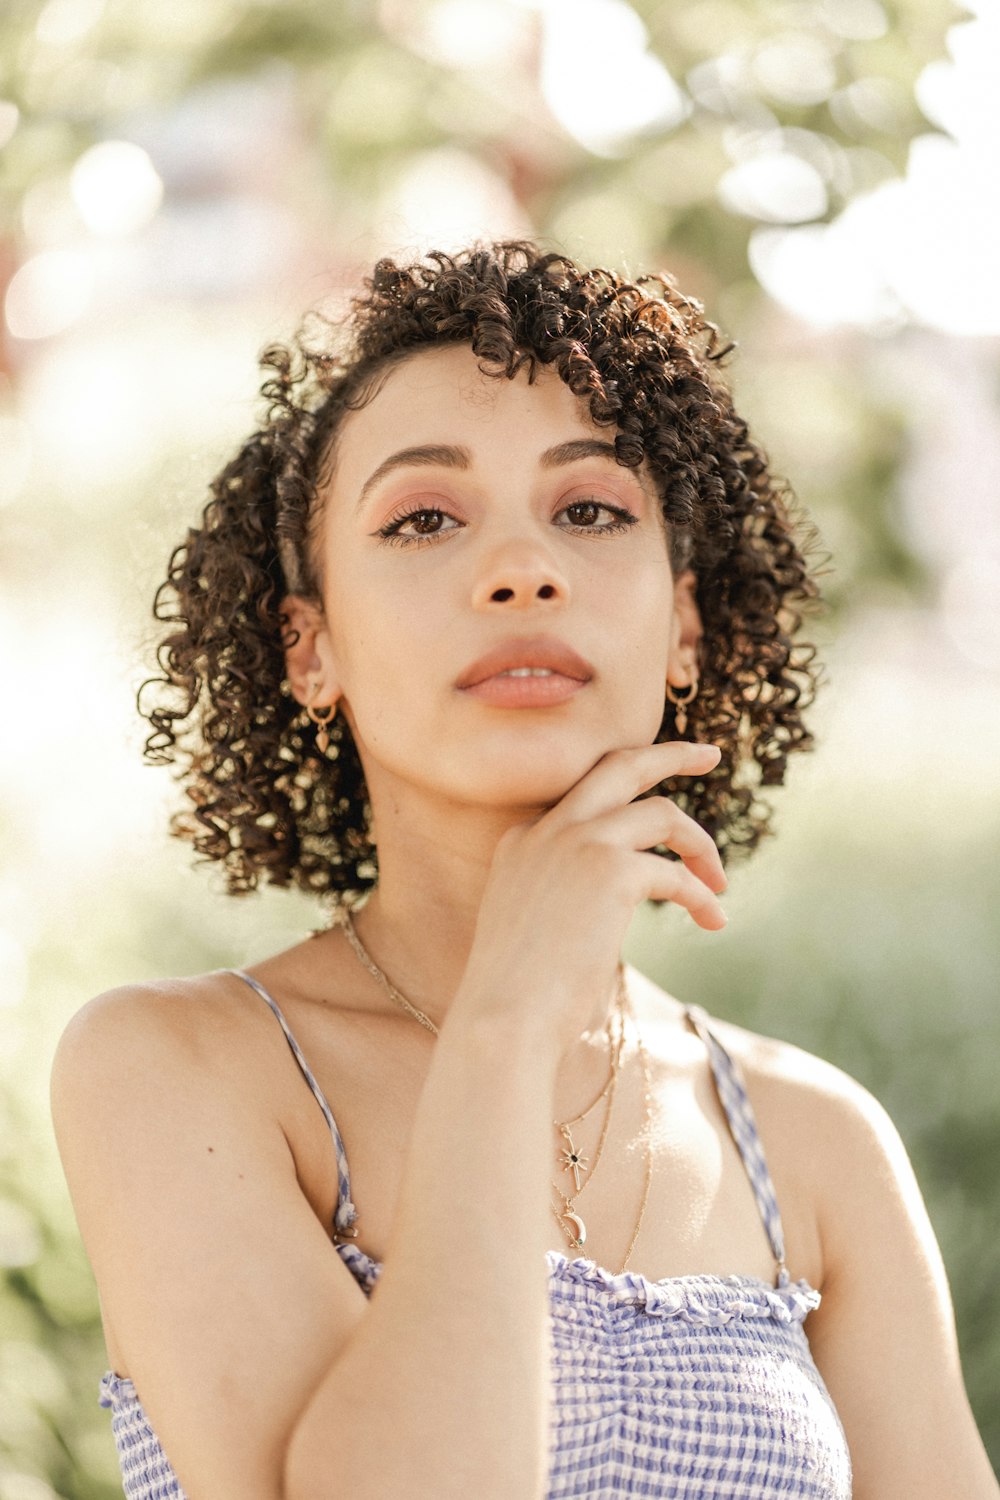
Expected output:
(513, 768)
(525, 795)
(528, 778)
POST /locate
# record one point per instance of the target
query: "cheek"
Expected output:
(380, 651)
(645, 625)
(641, 601)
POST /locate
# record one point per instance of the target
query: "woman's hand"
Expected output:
(562, 889)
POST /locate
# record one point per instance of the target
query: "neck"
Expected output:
(420, 922)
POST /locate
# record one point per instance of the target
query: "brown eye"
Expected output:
(426, 522)
(583, 512)
(416, 526)
(598, 517)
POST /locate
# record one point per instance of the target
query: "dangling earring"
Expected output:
(681, 703)
(321, 718)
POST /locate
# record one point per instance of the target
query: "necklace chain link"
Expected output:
(570, 1158)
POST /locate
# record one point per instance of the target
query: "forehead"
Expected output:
(442, 395)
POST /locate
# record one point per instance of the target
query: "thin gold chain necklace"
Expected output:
(570, 1158)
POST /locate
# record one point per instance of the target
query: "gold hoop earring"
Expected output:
(321, 718)
(681, 703)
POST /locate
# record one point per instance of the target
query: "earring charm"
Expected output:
(321, 717)
(681, 698)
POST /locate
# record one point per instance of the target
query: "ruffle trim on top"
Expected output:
(702, 1300)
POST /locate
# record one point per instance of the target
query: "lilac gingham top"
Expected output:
(690, 1388)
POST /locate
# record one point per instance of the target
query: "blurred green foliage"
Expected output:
(866, 934)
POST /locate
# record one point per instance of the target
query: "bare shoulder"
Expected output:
(792, 1087)
(146, 1035)
(136, 1055)
(130, 1061)
(801, 1097)
(839, 1167)
(191, 1011)
(831, 1144)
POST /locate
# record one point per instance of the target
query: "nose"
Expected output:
(517, 576)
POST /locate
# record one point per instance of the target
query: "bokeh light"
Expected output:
(928, 242)
(599, 78)
(116, 188)
(443, 199)
(795, 69)
(9, 116)
(181, 182)
(49, 293)
(858, 20)
(63, 23)
(776, 187)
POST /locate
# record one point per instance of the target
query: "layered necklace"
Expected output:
(574, 1169)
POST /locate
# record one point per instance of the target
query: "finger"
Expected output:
(669, 880)
(657, 821)
(622, 775)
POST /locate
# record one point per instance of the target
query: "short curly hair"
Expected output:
(261, 799)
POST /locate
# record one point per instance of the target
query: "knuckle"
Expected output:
(669, 814)
(601, 864)
(690, 887)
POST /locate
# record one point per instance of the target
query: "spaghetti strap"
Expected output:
(739, 1113)
(346, 1214)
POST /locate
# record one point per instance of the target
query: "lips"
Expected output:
(541, 653)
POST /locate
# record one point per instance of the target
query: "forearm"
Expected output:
(442, 1389)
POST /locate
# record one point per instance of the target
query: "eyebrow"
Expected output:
(443, 455)
(437, 455)
(570, 453)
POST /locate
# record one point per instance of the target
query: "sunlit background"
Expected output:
(180, 181)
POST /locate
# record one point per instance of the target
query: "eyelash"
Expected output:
(391, 532)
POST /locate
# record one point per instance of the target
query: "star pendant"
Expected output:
(572, 1160)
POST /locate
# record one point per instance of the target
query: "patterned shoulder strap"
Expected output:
(733, 1097)
(346, 1215)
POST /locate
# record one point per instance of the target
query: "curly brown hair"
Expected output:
(263, 801)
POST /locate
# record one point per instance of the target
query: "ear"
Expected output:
(686, 632)
(309, 658)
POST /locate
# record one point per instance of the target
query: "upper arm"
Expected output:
(884, 1336)
(220, 1283)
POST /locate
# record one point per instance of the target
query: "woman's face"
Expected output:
(499, 606)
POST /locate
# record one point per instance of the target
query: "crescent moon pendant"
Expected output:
(579, 1226)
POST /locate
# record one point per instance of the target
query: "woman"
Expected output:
(490, 622)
